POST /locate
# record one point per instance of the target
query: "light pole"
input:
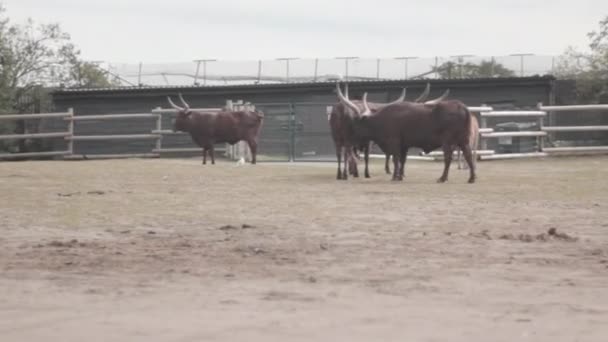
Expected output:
(405, 59)
(521, 61)
(287, 60)
(198, 66)
(346, 60)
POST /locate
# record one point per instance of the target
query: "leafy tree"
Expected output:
(33, 58)
(33, 55)
(589, 69)
(486, 68)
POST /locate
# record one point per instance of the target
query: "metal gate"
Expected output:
(295, 132)
(277, 134)
(312, 135)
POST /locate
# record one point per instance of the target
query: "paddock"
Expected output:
(170, 250)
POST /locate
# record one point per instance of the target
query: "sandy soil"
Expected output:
(169, 250)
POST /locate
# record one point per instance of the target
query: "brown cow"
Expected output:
(364, 142)
(346, 141)
(209, 128)
(434, 124)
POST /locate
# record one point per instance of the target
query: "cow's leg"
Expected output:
(204, 156)
(387, 168)
(366, 156)
(253, 148)
(346, 156)
(468, 156)
(353, 164)
(212, 153)
(448, 150)
(465, 166)
(339, 157)
(403, 160)
(396, 163)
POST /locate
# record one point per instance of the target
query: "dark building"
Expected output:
(295, 124)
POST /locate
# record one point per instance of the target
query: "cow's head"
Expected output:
(182, 118)
(366, 112)
(356, 111)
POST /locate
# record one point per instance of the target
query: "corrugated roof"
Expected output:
(300, 84)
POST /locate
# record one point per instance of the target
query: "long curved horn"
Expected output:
(346, 91)
(346, 101)
(400, 99)
(439, 99)
(366, 110)
(424, 94)
(186, 105)
(173, 104)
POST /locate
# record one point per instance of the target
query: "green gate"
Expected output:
(295, 132)
(276, 136)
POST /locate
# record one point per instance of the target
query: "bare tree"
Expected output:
(590, 70)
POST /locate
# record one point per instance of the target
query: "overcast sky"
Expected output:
(182, 30)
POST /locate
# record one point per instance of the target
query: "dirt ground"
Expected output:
(170, 250)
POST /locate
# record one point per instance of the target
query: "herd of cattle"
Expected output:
(394, 127)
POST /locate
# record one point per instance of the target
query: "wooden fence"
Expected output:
(241, 151)
(110, 137)
(69, 115)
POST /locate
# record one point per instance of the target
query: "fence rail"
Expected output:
(490, 133)
(34, 116)
(174, 111)
(34, 135)
(112, 116)
(513, 114)
(572, 108)
(67, 134)
(574, 128)
(514, 134)
(113, 137)
(576, 108)
(577, 149)
(541, 133)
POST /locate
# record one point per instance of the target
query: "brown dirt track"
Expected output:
(155, 250)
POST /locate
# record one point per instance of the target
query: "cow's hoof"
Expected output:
(442, 180)
(471, 180)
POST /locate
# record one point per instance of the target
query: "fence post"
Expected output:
(292, 132)
(159, 128)
(248, 108)
(241, 149)
(541, 140)
(484, 124)
(71, 131)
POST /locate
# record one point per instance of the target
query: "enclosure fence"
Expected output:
(287, 70)
(288, 124)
